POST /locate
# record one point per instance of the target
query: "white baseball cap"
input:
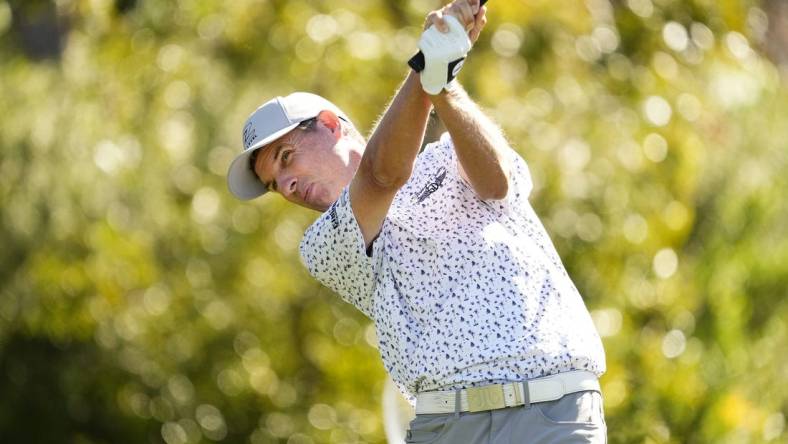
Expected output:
(272, 120)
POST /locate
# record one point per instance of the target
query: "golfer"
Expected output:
(478, 323)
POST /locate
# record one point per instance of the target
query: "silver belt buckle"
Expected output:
(489, 397)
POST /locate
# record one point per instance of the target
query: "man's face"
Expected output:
(306, 166)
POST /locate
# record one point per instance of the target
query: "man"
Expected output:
(478, 322)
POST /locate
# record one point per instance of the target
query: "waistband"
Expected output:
(498, 396)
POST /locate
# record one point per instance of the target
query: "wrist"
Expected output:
(450, 91)
(413, 84)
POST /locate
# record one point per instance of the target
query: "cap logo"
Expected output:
(249, 135)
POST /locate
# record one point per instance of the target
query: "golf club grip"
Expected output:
(417, 62)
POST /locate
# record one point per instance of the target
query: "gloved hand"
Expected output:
(444, 54)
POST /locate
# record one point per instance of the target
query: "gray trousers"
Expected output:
(575, 418)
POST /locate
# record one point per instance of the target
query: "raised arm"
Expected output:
(389, 156)
(482, 150)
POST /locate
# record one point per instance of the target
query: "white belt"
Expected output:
(492, 397)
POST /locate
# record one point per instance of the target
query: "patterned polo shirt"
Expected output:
(463, 292)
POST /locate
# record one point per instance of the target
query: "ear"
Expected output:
(331, 121)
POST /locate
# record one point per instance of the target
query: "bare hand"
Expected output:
(467, 12)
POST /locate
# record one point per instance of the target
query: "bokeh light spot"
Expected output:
(575, 155)
(673, 344)
(156, 300)
(675, 36)
(641, 8)
(211, 27)
(702, 36)
(205, 205)
(607, 321)
(507, 39)
(178, 94)
(665, 65)
(322, 416)
(689, 107)
(321, 28)
(211, 421)
(655, 147)
(364, 45)
(657, 110)
(587, 49)
(738, 45)
(635, 228)
(170, 57)
(279, 425)
(665, 263)
(5, 17)
(173, 433)
(773, 426)
(589, 227)
(606, 38)
(615, 392)
(181, 389)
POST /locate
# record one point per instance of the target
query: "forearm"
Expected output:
(397, 138)
(481, 148)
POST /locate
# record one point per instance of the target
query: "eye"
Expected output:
(286, 155)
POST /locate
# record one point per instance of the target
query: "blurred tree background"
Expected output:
(141, 303)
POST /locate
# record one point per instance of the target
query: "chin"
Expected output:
(323, 202)
(318, 206)
(322, 209)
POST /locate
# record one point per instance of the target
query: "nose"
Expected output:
(286, 185)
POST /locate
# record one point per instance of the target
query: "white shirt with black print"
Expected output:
(463, 292)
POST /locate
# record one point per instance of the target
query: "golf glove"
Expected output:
(444, 54)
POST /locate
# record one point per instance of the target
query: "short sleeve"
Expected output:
(520, 182)
(333, 251)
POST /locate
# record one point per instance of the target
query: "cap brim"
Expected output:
(241, 180)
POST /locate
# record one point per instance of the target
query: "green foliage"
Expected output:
(142, 303)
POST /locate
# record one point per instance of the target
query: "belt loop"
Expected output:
(526, 395)
(457, 402)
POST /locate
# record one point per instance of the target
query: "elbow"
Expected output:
(383, 178)
(493, 190)
(388, 181)
(496, 189)
(498, 192)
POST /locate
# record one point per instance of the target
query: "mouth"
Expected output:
(307, 192)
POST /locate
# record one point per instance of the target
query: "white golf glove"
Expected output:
(444, 54)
